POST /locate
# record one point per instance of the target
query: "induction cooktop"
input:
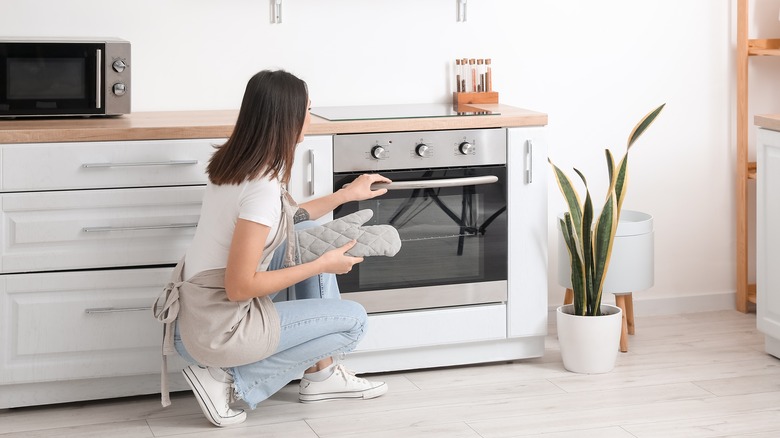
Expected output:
(404, 111)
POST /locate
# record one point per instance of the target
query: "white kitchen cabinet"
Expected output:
(768, 239)
(59, 230)
(90, 231)
(89, 234)
(527, 174)
(62, 166)
(79, 325)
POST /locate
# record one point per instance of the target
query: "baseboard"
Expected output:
(645, 304)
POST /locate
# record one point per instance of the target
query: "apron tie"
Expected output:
(165, 309)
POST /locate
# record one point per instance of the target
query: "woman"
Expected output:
(246, 346)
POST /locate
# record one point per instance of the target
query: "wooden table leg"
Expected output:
(630, 313)
(569, 297)
(620, 300)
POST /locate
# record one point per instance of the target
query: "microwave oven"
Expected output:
(49, 77)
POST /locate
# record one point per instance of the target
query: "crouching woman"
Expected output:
(218, 307)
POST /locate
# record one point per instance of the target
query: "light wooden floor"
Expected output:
(693, 375)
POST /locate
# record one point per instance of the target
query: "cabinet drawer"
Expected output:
(74, 325)
(59, 166)
(47, 231)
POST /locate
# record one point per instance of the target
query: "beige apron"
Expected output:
(215, 331)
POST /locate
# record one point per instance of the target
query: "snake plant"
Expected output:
(590, 244)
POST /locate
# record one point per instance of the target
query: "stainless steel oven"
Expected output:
(448, 201)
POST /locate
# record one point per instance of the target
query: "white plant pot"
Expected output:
(631, 267)
(589, 344)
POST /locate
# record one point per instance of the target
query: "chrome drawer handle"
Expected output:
(137, 228)
(141, 164)
(434, 183)
(115, 309)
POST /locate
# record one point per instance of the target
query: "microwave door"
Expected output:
(51, 79)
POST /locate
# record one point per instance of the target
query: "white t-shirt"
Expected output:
(257, 201)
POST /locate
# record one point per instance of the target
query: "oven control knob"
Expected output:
(119, 66)
(379, 152)
(466, 148)
(423, 150)
(119, 89)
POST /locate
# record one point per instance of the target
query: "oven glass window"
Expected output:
(449, 235)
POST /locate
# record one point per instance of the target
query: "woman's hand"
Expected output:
(360, 188)
(336, 261)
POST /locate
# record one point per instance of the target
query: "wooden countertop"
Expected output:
(768, 121)
(218, 124)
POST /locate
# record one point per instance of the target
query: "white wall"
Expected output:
(594, 66)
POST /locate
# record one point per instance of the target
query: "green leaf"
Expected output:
(605, 229)
(643, 125)
(587, 237)
(610, 163)
(619, 183)
(569, 194)
(577, 268)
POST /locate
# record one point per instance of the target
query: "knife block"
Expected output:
(472, 98)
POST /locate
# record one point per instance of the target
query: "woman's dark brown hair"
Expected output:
(267, 130)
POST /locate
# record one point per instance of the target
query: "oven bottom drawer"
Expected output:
(430, 297)
(437, 327)
(76, 325)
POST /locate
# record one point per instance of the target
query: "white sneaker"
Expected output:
(340, 385)
(212, 388)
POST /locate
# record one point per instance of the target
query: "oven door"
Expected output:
(453, 228)
(40, 79)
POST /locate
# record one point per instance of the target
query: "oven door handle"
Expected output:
(436, 183)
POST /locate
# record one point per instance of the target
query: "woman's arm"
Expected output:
(357, 190)
(243, 281)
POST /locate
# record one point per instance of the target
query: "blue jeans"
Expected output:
(315, 324)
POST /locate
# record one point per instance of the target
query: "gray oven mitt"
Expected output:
(372, 240)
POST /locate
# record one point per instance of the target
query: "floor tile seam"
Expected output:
(246, 425)
(361, 434)
(483, 384)
(644, 373)
(706, 417)
(618, 419)
(73, 426)
(434, 405)
(311, 428)
(646, 386)
(497, 416)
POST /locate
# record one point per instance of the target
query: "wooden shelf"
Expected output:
(765, 47)
(745, 170)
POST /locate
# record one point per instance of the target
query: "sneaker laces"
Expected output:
(347, 375)
(228, 397)
(227, 378)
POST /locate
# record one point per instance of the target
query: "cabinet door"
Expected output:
(46, 231)
(312, 173)
(62, 166)
(75, 325)
(527, 172)
(768, 233)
